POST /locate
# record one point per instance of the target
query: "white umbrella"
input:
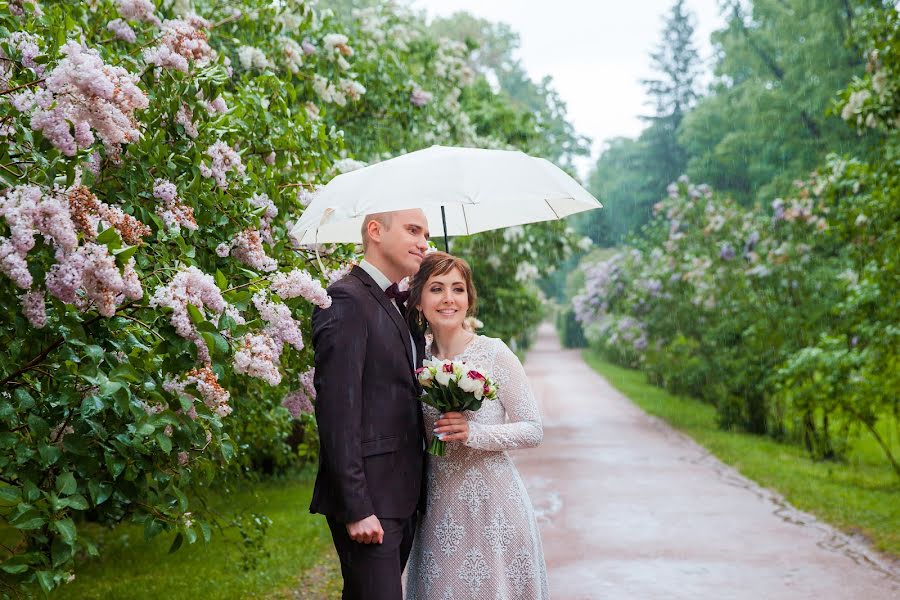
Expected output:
(461, 190)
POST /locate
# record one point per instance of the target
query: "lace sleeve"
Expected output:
(522, 428)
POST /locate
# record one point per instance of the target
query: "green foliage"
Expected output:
(570, 332)
(632, 175)
(296, 542)
(765, 123)
(787, 322)
(162, 370)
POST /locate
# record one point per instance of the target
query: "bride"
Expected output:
(478, 537)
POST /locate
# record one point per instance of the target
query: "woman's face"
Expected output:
(445, 300)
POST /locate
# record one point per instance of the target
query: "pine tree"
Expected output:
(673, 93)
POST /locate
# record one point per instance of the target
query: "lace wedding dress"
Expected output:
(479, 538)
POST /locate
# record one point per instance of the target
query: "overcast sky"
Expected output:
(597, 51)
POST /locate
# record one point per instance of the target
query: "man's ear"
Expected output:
(374, 230)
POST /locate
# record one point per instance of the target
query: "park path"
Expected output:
(630, 509)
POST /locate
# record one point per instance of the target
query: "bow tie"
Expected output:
(393, 293)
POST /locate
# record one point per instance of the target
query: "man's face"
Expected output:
(404, 243)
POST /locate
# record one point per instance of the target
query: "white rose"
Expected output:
(472, 386)
(426, 377)
(443, 377)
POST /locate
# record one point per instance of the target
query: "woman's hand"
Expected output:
(452, 427)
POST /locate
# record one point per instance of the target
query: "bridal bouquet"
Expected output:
(451, 387)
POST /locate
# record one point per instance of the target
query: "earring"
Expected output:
(420, 319)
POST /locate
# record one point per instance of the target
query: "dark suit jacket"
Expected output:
(371, 433)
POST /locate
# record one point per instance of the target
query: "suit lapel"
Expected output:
(385, 303)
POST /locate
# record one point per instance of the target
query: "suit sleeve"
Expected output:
(339, 339)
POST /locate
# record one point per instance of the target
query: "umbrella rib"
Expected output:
(547, 202)
(465, 219)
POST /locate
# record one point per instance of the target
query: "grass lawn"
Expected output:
(860, 496)
(300, 564)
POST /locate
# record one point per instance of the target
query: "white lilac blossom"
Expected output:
(526, 272)
(513, 233)
(271, 211)
(137, 10)
(181, 43)
(258, 356)
(327, 91)
(253, 58)
(122, 30)
(248, 249)
(223, 249)
(345, 165)
(190, 286)
(419, 97)
(87, 212)
(224, 161)
(280, 324)
(334, 275)
(352, 88)
(217, 106)
(185, 118)
(27, 45)
(312, 111)
(777, 209)
(214, 396)
(300, 401)
(84, 95)
(854, 106)
(28, 212)
(34, 308)
(451, 63)
(299, 283)
(17, 7)
(174, 213)
(336, 45)
(93, 270)
(305, 196)
(726, 251)
(291, 53)
(308, 48)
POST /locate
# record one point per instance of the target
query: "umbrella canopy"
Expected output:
(474, 189)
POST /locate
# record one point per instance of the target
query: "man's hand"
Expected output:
(367, 531)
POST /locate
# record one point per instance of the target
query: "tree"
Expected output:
(493, 56)
(632, 175)
(767, 121)
(673, 94)
(157, 309)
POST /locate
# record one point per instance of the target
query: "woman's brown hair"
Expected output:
(438, 263)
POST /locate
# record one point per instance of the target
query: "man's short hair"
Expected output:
(385, 218)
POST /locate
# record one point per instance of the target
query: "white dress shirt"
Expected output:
(384, 283)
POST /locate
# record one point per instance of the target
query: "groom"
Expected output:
(371, 458)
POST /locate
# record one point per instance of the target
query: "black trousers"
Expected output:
(372, 571)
